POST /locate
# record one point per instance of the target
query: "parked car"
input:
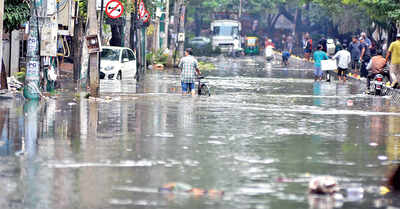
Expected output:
(199, 41)
(117, 63)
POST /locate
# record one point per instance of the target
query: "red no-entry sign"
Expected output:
(114, 9)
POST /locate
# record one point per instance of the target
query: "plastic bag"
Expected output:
(51, 74)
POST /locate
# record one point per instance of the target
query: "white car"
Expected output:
(117, 63)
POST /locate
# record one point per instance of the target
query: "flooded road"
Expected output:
(260, 137)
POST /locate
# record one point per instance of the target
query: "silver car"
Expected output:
(199, 41)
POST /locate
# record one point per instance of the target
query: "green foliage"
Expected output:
(206, 66)
(158, 57)
(16, 12)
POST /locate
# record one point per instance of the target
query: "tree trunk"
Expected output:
(197, 22)
(128, 25)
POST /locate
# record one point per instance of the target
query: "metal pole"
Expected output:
(101, 26)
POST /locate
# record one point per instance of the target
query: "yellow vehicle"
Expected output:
(252, 46)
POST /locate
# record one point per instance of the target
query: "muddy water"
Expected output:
(260, 137)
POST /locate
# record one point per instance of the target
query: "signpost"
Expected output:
(114, 9)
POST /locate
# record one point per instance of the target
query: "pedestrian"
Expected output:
(290, 42)
(376, 66)
(344, 59)
(367, 40)
(319, 55)
(285, 57)
(365, 56)
(307, 47)
(189, 66)
(394, 52)
(323, 42)
(354, 49)
(283, 42)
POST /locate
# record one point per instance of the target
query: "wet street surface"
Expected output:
(260, 137)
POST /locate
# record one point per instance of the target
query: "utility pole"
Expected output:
(166, 24)
(1, 41)
(93, 57)
(31, 88)
(182, 27)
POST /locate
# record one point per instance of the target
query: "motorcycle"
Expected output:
(379, 82)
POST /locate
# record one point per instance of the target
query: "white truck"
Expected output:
(226, 34)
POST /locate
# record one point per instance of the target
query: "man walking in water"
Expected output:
(344, 59)
(189, 66)
(394, 50)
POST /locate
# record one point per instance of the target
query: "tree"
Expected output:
(16, 12)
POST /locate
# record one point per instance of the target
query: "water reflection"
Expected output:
(262, 125)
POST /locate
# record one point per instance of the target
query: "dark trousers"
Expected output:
(355, 64)
(364, 71)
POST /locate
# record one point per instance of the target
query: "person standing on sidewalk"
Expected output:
(364, 57)
(319, 55)
(189, 66)
(344, 59)
(394, 51)
(307, 47)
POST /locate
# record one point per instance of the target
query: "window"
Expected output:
(125, 54)
(131, 56)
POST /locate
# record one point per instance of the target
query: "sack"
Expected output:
(328, 65)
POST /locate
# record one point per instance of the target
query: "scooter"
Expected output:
(379, 82)
(378, 85)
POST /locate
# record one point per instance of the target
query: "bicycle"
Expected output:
(202, 88)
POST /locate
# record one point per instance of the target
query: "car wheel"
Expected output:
(119, 76)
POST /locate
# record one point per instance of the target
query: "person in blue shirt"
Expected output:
(285, 57)
(318, 56)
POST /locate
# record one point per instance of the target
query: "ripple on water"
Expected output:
(140, 163)
(255, 189)
(215, 142)
(164, 135)
(255, 161)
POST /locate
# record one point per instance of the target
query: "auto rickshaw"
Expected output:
(251, 46)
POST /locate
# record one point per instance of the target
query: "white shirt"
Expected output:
(269, 51)
(344, 58)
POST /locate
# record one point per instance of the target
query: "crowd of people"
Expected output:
(360, 56)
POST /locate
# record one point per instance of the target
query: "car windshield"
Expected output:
(110, 54)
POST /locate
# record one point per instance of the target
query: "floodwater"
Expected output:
(260, 137)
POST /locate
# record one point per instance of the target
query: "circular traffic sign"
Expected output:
(114, 9)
